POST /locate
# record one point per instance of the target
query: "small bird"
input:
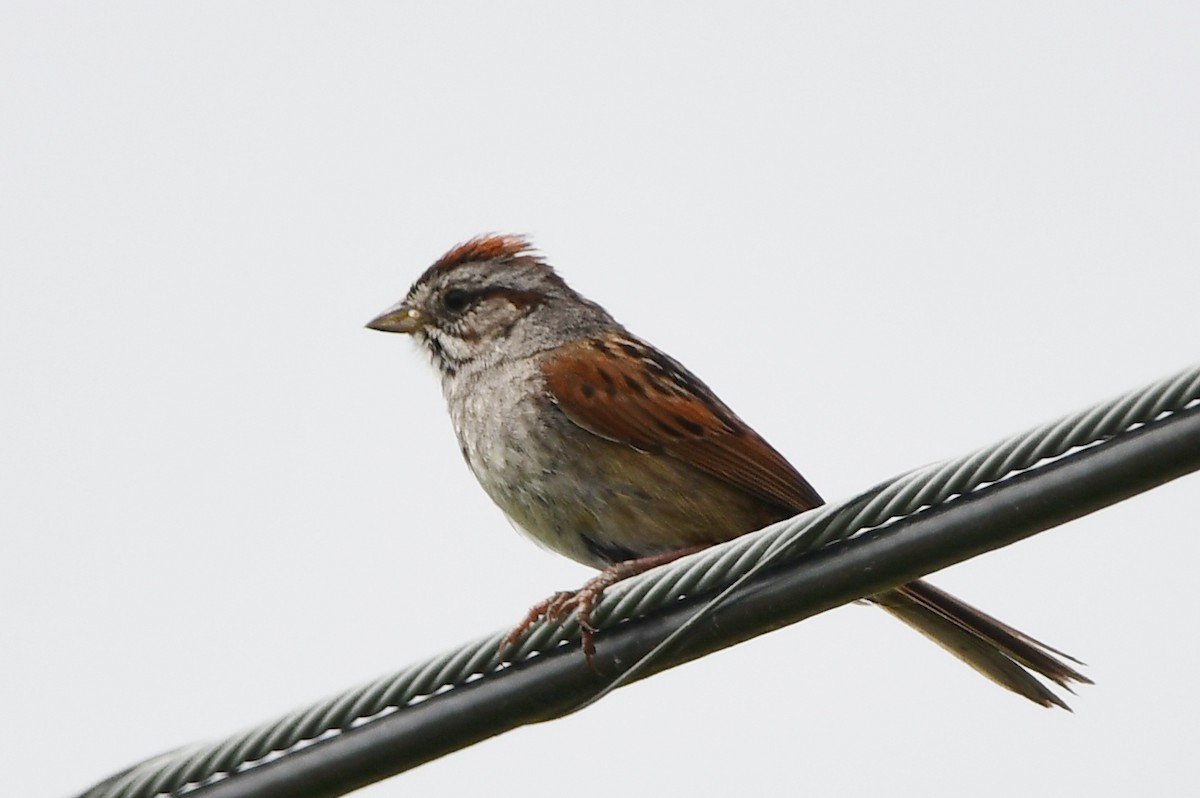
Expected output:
(602, 448)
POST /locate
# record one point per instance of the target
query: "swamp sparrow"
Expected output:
(602, 448)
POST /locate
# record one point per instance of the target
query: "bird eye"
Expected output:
(455, 300)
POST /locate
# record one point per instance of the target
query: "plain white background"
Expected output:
(884, 233)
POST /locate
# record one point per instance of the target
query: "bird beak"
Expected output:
(401, 318)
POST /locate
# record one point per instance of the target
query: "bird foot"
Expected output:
(558, 608)
(581, 602)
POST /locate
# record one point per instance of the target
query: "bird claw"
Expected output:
(557, 609)
(581, 602)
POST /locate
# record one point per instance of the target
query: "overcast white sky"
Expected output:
(885, 233)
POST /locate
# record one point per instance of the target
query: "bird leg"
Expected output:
(564, 603)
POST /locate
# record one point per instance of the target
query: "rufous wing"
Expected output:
(622, 389)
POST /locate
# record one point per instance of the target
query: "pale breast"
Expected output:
(508, 435)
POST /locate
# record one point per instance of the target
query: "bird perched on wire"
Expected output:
(604, 449)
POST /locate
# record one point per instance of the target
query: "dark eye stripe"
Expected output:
(458, 300)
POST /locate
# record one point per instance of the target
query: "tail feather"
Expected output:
(998, 651)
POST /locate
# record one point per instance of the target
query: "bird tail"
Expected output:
(1001, 653)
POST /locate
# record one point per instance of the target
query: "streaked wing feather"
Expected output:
(624, 390)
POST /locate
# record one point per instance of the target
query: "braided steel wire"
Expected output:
(711, 570)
